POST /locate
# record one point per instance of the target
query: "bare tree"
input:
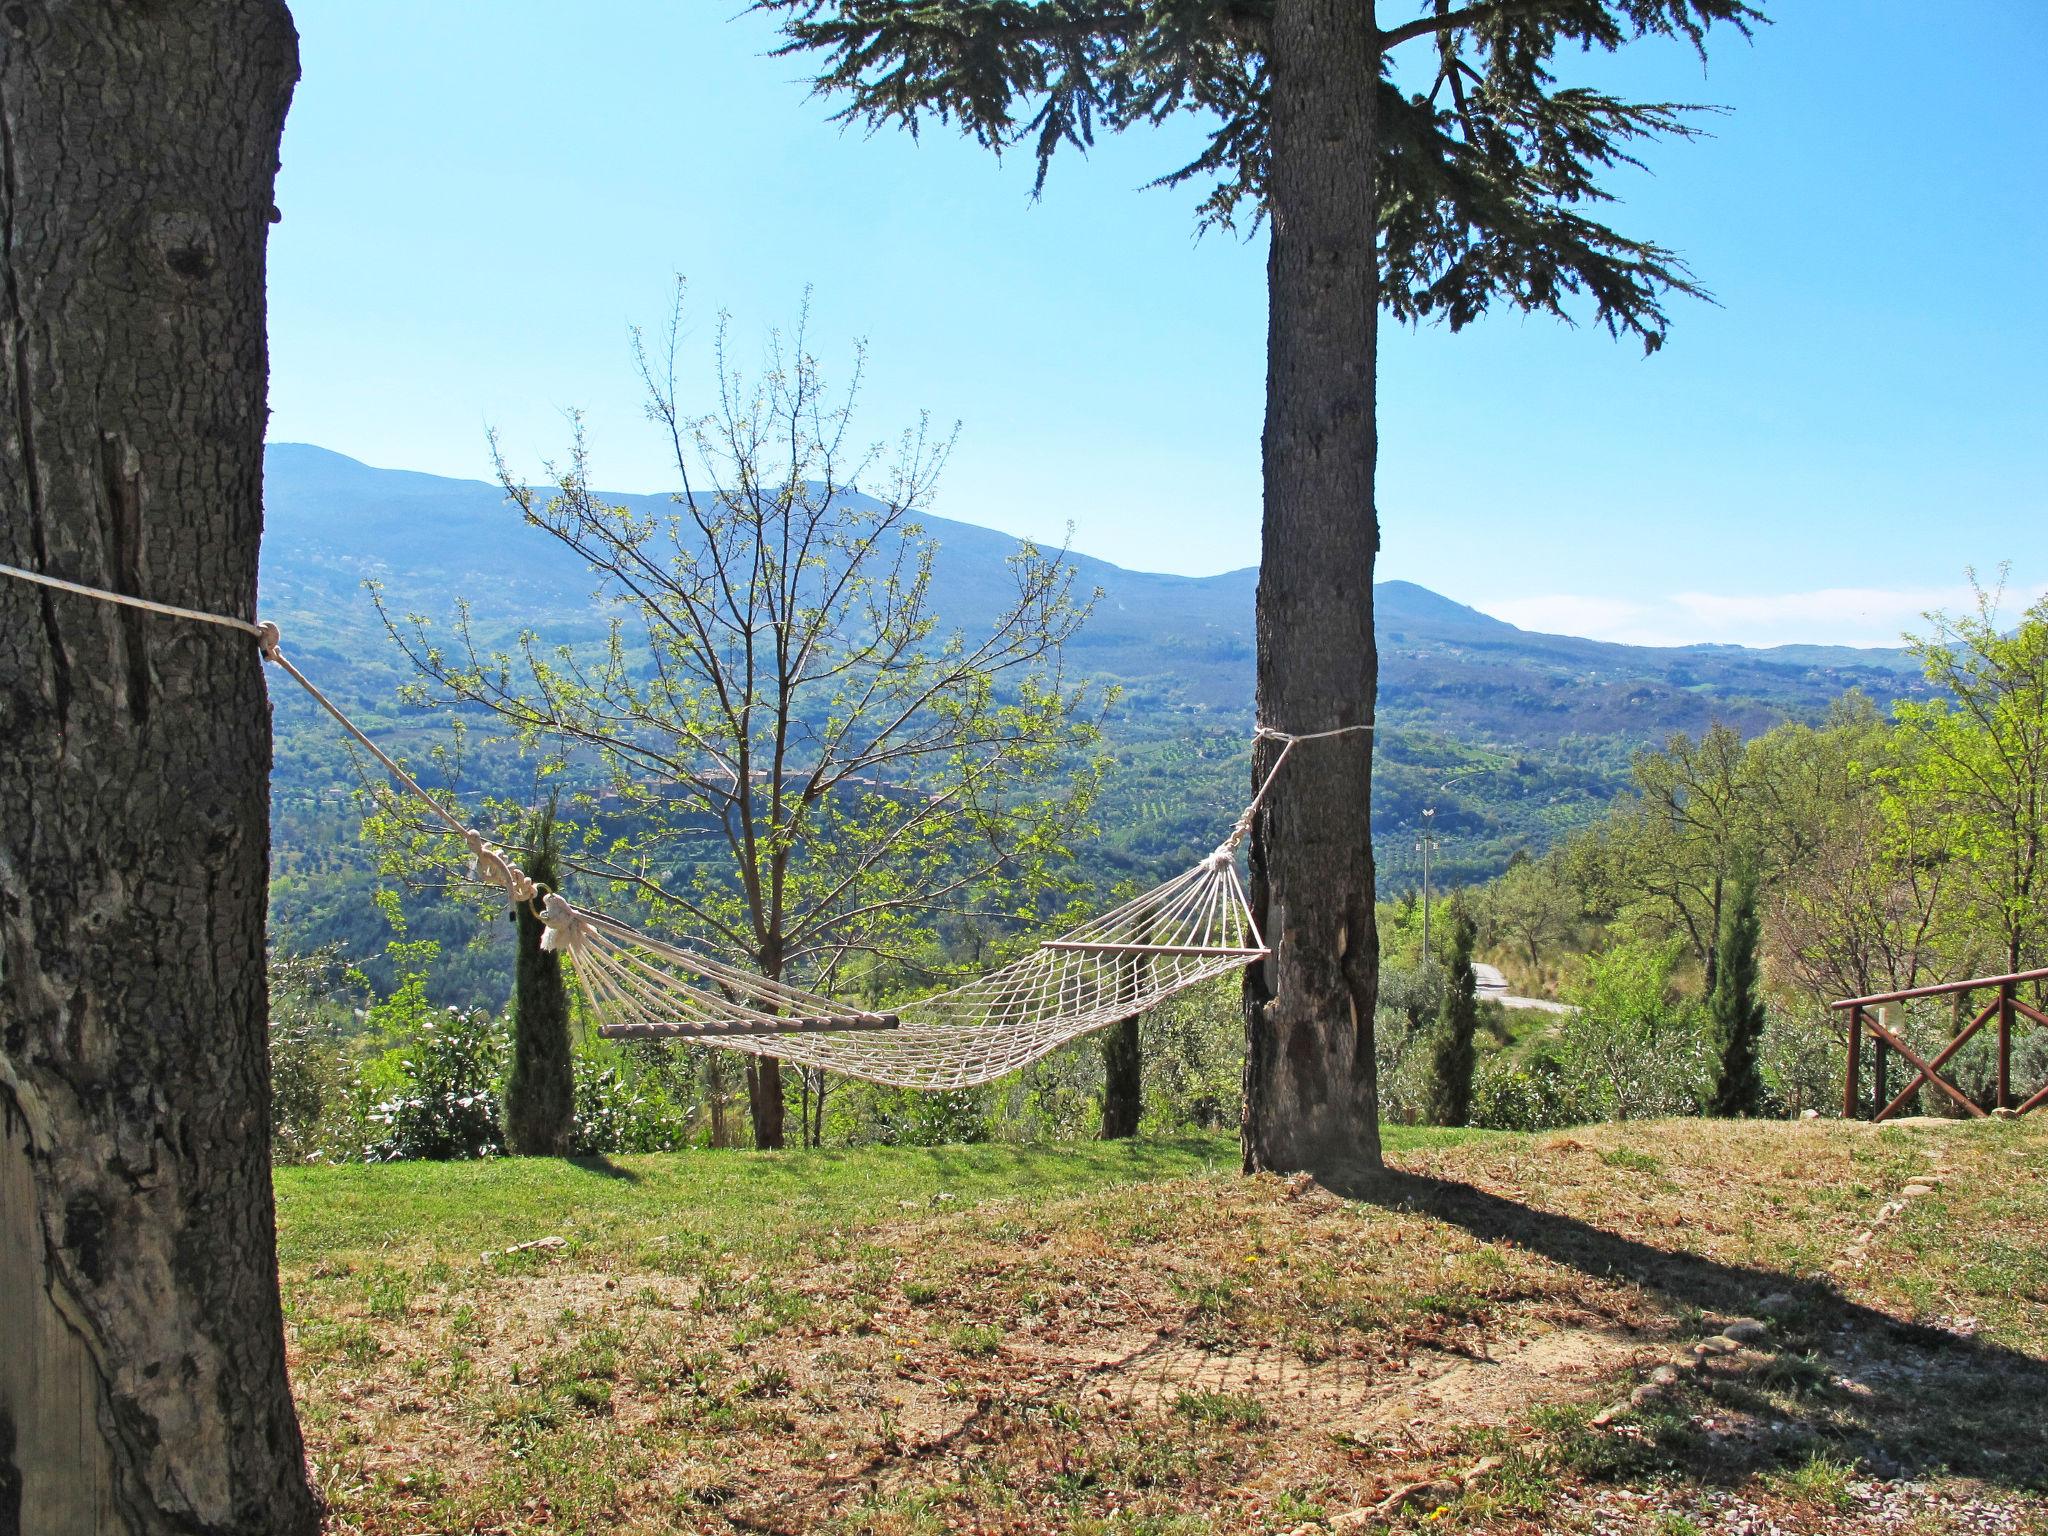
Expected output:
(799, 763)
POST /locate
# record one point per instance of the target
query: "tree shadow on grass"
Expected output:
(1901, 1398)
(603, 1167)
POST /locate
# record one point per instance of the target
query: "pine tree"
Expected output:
(540, 1098)
(1736, 1007)
(1471, 181)
(1452, 1053)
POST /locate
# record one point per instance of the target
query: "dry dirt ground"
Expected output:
(1678, 1327)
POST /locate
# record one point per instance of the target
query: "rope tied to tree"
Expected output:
(1226, 851)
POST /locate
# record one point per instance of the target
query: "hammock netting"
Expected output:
(1192, 929)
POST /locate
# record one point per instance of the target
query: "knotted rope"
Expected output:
(1226, 850)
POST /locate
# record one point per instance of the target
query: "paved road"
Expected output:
(1493, 987)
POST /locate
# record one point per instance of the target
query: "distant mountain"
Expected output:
(1537, 729)
(1180, 645)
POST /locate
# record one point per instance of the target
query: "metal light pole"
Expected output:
(1428, 823)
(1428, 842)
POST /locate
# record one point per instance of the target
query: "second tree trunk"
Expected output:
(1310, 1095)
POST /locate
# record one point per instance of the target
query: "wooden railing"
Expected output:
(2006, 1007)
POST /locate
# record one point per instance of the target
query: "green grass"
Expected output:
(1096, 1339)
(619, 1205)
(356, 1215)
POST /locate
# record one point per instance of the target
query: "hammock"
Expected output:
(1194, 928)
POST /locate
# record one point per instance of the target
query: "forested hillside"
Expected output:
(1538, 730)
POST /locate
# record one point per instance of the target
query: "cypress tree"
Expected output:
(540, 1098)
(1450, 1087)
(1736, 1007)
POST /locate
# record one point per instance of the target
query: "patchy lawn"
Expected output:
(1504, 1333)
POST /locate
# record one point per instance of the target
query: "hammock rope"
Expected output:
(1195, 927)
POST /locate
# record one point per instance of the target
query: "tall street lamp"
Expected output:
(1428, 842)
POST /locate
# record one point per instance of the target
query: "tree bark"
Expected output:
(764, 1101)
(142, 1370)
(1310, 1095)
(1123, 1069)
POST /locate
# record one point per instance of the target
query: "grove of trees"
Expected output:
(1759, 880)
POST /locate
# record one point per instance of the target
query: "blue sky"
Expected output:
(479, 200)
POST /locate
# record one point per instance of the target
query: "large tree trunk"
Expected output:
(142, 1374)
(1123, 1073)
(1310, 1095)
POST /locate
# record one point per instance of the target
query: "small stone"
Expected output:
(1352, 1519)
(1715, 1346)
(1809, 1114)
(1915, 1190)
(1664, 1376)
(1745, 1330)
(1609, 1414)
(1777, 1304)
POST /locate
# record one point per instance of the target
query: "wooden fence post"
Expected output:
(2005, 1011)
(1855, 1062)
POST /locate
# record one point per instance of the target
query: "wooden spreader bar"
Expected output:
(1106, 947)
(789, 1026)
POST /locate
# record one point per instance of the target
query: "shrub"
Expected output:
(1536, 1097)
(1632, 1051)
(905, 1117)
(445, 1100)
(1193, 1046)
(312, 1064)
(1410, 996)
(1802, 1064)
(625, 1103)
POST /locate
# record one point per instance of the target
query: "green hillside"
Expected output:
(1537, 729)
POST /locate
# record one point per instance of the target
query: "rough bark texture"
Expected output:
(540, 1097)
(142, 1374)
(1310, 1094)
(764, 1101)
(1123, 1071)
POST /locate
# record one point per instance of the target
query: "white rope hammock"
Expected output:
(1194, 928)
(1189, 930)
